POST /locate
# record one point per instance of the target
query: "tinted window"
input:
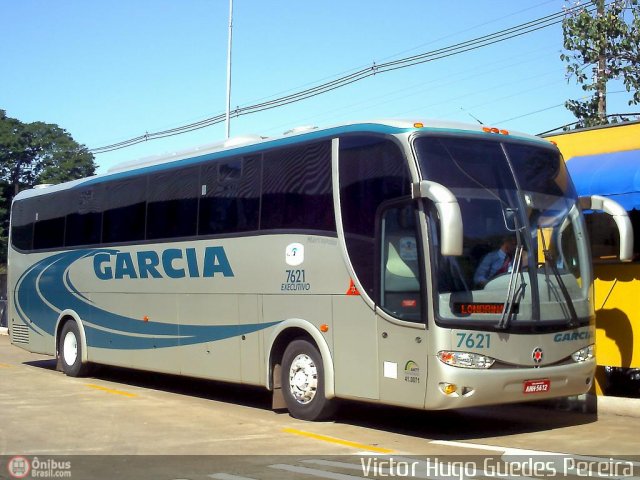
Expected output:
(84, 225)
(49, 233)
(400, 289)
(464, 164)
(288, 189)
(372, 170)
(172, 208)
(296, 189)
(230, 170)
(22, 218)
(124, 217)
(50, 215)
(230, 196)
(540, 169)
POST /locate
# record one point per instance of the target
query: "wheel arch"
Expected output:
(293, 329)
(64, 317)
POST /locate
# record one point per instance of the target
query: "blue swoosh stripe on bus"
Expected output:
(45, 279)
(207, 333)
(30, 300)
(73, 288)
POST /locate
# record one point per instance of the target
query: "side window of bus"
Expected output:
(297, 189)
(230, 196)
(84, 224)
(124, 214)
(172, 207)
(399, 263)
(48, 231)
(372, 170)
(22, 219)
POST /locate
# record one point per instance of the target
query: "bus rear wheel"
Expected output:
(70, 351)
(303, 382)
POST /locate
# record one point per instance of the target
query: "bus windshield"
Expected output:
(525, 257)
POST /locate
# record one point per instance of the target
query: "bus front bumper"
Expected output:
(454, 387)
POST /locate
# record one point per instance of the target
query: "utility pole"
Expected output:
(228, 116)
(601, 75)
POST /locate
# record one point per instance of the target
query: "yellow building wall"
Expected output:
(593, 141)
(617, 301)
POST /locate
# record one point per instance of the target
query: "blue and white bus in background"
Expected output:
(326, 264)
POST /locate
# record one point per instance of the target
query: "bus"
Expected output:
(325, 264)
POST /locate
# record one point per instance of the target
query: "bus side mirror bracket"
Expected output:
(620, 216)
(451, 237)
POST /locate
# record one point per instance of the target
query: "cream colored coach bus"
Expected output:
(337, 263)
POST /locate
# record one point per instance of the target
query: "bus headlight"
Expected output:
(584, 354)
(465, 359)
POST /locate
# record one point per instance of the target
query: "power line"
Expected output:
(450, 78)
(356, 76)
(562, 105)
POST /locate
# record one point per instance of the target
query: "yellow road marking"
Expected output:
(337, 441)
(111, 390)
(4, 365)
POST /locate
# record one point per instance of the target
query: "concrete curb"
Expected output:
(594, 404)
(621, 406)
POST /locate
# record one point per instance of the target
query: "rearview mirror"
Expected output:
(510, 216)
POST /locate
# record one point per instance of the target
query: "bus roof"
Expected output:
(246, 145)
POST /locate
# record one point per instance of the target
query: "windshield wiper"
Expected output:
(514, 295)
(550, 261)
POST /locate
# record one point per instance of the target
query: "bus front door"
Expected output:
(402, 344)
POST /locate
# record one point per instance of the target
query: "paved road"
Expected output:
(232, 433)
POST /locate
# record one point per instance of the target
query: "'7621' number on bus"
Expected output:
(474, 340)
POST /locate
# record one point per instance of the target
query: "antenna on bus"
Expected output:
(475, 118)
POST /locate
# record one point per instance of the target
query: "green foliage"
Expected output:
(602, 43)
(586, 112)
(35, 153)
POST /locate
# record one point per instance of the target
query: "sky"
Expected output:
(108, 71)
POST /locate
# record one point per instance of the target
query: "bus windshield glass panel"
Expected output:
(525, 258)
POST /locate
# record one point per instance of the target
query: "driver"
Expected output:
(496, 262)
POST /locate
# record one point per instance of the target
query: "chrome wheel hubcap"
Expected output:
(303, 379)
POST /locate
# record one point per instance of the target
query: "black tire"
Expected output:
(304, 391)
(71, 357)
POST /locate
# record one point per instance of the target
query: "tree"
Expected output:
(601, 39)
(32, 154)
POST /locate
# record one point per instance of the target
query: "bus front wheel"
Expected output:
(303, 382)
(70, 351)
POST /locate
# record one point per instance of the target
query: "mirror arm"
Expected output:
(451, 229)
(620, 216)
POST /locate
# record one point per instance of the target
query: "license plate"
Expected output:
(536, 386)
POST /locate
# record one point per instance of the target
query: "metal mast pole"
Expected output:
(228, 117)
